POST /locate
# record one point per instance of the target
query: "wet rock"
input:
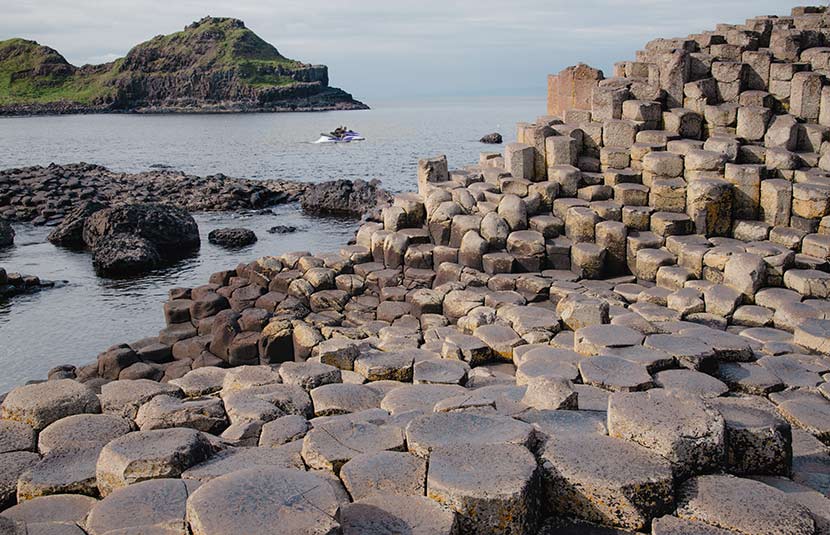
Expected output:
(493, 139)
(499, 497)
(6, 233)
(282, 229)
(232, 237)
(264, 501)
(38, 405)
(69, 233)
(124, 255)
(344, 197)
(146, 455)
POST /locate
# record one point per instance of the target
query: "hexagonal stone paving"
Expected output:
(145, 507)
(331, 445)
(264, 501)
(81, 431)
(38, 405)
(428, 432)
(382, 515)
(494, 488)
(146, 455)
(384, 473)
(605, 480)
(683, 429)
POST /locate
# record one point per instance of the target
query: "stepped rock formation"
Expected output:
(620, 321)
(213, 65)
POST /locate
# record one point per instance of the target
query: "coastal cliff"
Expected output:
(213, 65)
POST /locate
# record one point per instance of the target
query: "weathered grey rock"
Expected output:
(440, 371)
(749, 378)
(63, 471)
(379, 515)
(428, 432)
(341, 398)
(691, 382)
(595, 339)
(12, 465)
(554, 423)
(146, 455)
(690, 352)
(811, 414)
(605, 480)
(384, 473)
(82, 431)
(758, 440)
(309, 375)
(283, 430)
(16, 436)
(164, 412)
(550, 393)
(742, 505)
(671, 525)
(421, 397)
(266, 403)
(235, 459)
(497, 498)
(244, 377)
(201, 381)
(331, 445)
(38, 405)
(156, 506)
(815, 502)
(123, 398)
(379, 366)
(63, 508)
(614, 373)
(682, 429)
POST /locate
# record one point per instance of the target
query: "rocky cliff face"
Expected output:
(215, 64)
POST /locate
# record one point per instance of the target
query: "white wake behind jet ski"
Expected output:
(347, 137)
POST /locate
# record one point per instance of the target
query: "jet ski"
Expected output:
(346, 137)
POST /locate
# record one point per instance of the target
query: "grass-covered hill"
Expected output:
(215, 64)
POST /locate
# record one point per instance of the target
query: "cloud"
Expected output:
(379, 48)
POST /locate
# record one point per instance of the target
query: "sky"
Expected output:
(389, 49)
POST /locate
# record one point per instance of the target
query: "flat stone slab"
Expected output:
(234, 459)
(16, 436)
(810, 414)
(381, 515)
(425, 433)
(283, 430)
(690, 352)
(749, 378)
(244, 377)
(742, 505)
(266, 403)
(144, 507)
(201, 381)
(595, 339)
(565, 422)
(146, 455)
(309, 375)
(165, 412)
(683, 429)
(61, 471)
(38, 405)
(605, 480)
(384, 473)
(671, 525)
(123, 398)
(614, 373)
(264, 501)
(343, 398)
(82, 431)
(12, 465)
(690, 382)
(379, 366)
(331, 445)
(441, 371)
(494, 488)
(70, 508)
(758, 440)
(418, 397)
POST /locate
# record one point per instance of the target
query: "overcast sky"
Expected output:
(381, 49)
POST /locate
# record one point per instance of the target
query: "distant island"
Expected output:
(213, 65)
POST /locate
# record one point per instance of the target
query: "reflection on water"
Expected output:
(74, 322)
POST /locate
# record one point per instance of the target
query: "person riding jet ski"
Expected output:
(339, 132)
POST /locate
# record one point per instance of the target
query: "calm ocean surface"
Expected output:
(78, 320)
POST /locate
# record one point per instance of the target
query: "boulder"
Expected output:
(380, 515)
(232, 237)
(6, 233)
(493, 139)
(70, 231)
(344, 197)
(155, 506)
(40, 404)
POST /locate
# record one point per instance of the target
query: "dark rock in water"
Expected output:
(344, 197)
(6, 233)
(12, 284)
(282, 229)
(70, 233)
(122, 254)
(161, 166)
(494, 138)
(167, 228)
(232, 237)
